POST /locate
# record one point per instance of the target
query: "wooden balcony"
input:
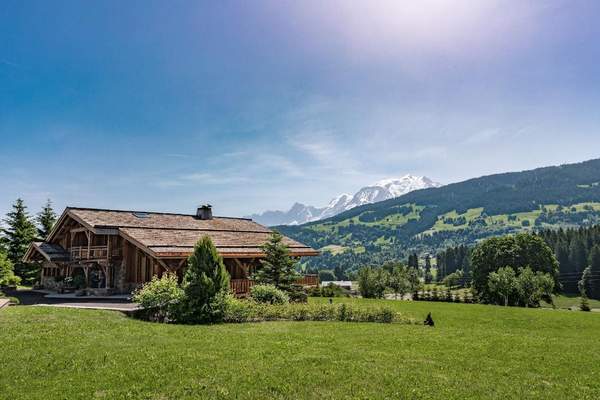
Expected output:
(241, 287)
(309, 280)
(92, 252)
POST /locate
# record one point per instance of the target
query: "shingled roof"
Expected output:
(174, 235)
(50, 251)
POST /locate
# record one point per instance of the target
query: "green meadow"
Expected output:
(473, 352)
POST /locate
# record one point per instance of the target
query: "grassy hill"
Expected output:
(459, 213)
(474, 352)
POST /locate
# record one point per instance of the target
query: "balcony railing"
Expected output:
(242, 286)
(92, 252)
(309, 280)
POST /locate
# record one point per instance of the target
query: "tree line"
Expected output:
(576, 249)
(17, 231)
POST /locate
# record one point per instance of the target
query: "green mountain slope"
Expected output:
(459, 213)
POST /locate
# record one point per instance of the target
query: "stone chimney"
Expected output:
(204, 212)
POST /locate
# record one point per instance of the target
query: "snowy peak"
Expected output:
(379, 191)
(406, 184)
(390, 188)
(342, 199)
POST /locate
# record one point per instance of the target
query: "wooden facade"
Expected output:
(114, 251)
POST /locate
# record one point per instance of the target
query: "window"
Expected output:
(141, 214)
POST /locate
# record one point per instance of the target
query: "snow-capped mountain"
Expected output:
(382, 190)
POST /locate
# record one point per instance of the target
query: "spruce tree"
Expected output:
(19, 234)
(578, 254)
(428, 275)
(46, 219)
(278, 268)
(205, 282)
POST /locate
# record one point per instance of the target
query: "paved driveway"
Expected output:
(31, 297)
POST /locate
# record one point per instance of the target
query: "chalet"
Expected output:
(114, 251)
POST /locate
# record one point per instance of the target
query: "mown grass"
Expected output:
(570, 301)
(473, 352)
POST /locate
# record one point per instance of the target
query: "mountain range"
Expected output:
(382, 190)
(463, 213)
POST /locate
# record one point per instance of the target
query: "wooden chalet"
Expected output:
(116, 251)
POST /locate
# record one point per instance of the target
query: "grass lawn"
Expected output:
(569, 301)
(473, 352)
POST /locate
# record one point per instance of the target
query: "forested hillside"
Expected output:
(431, 220)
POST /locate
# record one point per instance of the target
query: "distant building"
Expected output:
(343, 284)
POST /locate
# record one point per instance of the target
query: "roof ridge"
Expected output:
(179, 229)
(232, 246)
(151, 212)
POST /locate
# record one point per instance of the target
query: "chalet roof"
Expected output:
(174, 235)
(50, 251)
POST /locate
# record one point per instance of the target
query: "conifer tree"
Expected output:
(46, 219)
(19, 234)
(278, 268)
(205, 282)
(594, 258)
(577, 254)
(428, 275)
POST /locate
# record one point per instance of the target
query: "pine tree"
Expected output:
(46, 219)
(278, 268)
(594, 259)
(20, 232)
(428, 275)
(205, 281)
(578, 254)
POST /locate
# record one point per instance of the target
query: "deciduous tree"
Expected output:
(518, 251)
(503, 282)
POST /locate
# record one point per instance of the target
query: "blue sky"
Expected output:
(255, 105)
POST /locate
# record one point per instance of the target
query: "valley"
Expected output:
(431, 220)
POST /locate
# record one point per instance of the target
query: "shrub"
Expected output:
(78, 281)
(10, 280)
(160, 298)
(584, 304)
(297, 294)
(268, 294)
(7, 275)
(251, 311)
(330, 290)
